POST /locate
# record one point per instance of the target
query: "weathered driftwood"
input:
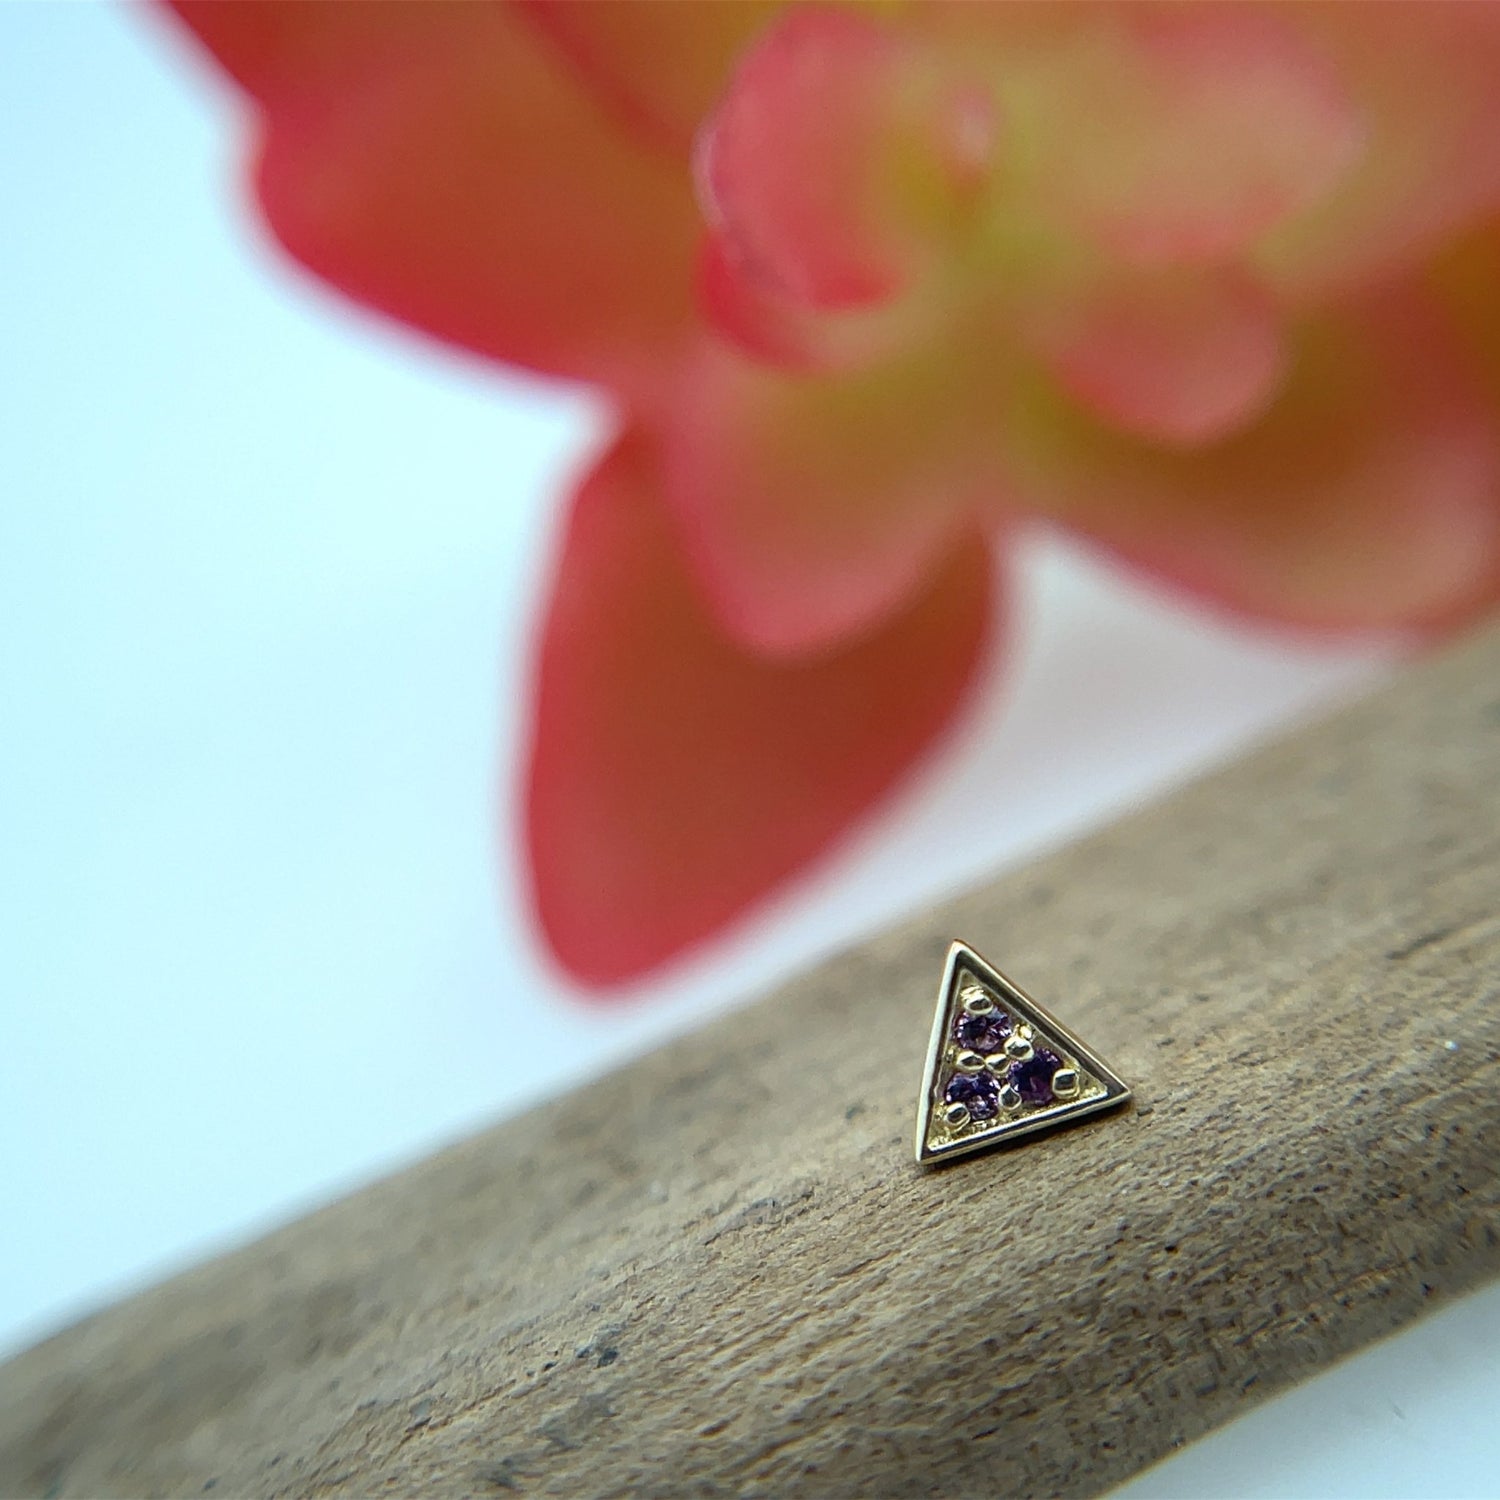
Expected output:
(719, 1273)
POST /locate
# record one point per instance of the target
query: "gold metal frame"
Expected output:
(1083, 1084)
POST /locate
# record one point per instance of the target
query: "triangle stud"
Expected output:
(999, 1066)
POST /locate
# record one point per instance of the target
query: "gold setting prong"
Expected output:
(1010, 1098)
(955, 1115)
(975, 1001)
(997, 1062)
(1065, 1083)
(969, 1062)
(1018, 1047)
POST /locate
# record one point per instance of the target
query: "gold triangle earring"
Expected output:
(1000, 1066)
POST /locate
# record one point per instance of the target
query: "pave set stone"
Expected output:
(979, 1093)
(1033, 1079)
(983, 1031)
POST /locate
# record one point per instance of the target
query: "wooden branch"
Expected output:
(718, 1273)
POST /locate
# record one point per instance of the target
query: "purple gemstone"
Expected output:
(1032, 1079)
(983, 1034)
(979, 1092)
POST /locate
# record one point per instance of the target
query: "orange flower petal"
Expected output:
(1183, 356)
(812, 508)
(440, 161)
(675, 780)
(1368, 496)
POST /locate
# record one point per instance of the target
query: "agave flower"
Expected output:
(1213, 286)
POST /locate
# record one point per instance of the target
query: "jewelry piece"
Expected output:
(1000, 1066)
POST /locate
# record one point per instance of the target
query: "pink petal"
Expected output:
(776, 329)
(1423, 76)
(813, 508)
(440, 161)
(1368, 496)
(838, 152)
(659, 64)
(674, 780)
(1184, 134)
(1183, 356)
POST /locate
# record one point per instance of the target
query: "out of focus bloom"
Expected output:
(1216, 286)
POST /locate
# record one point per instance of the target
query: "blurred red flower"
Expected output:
(1212, 285)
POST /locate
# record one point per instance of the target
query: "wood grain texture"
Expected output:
(720, 1274)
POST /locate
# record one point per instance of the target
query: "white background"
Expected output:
(267, 569)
